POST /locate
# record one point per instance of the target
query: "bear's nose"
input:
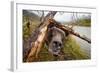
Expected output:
(57, 44)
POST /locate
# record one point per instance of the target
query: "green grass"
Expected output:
(71, 49)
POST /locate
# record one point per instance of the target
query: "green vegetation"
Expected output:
(84, 22)
(80, 22)
(33, 20)
(71, 49)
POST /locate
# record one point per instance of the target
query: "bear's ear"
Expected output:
(53, 31)
(49, 34)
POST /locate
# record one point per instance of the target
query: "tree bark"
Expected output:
(37, 44)
(68, 30)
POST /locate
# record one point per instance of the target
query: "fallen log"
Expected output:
(68, 30)
(38, 42)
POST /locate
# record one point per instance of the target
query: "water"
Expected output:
(84, 31)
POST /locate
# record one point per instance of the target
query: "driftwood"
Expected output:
(37, 44)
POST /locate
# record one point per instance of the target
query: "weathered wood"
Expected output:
(37, 44)
(71, 31)
(68, 30)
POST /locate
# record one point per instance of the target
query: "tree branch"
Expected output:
(37, 44)
(68, 30)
